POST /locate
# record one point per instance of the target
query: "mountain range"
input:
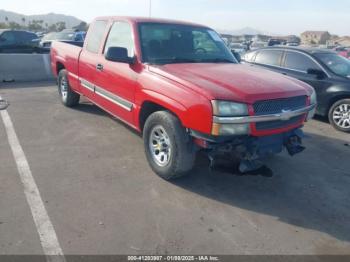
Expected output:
(50, 18)
(71, 21)
(245, 31)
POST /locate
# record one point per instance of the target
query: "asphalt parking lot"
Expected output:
(102, 197)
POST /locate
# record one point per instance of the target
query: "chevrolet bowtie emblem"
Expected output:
(286, 115)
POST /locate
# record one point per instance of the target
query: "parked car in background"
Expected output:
(18, 41)
(323, 69)
(179, 85)
(238, 48)
(343, 51)
(273, 42)
(40, 34)
(66, 35)
(257, 45)
(292, 44)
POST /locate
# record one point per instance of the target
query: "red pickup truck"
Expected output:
(180, 86)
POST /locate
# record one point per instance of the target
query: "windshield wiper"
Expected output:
(173, 60)
(182, 60)
(218, 60)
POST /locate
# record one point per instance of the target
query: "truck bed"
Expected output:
(67, 54)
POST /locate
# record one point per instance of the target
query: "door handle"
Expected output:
(284, 74)
(99, 67)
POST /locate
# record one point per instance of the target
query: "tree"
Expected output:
(60, 26)
(6, 19)
(52, 28)
(35, 25)
(23, 21)
(3, 25)
(81, 27)
(14, 25)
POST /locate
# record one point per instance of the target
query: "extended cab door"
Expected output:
(115, 81)
(89, 57)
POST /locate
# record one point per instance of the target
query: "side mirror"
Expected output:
(317, 72)
(119, 54)
(237, 56)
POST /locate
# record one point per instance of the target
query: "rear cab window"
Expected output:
(121, 35)
(95, 36)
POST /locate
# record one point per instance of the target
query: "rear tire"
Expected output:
(169, 149)
(339, 115)
(68, 97)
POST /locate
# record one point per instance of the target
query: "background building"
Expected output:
(315, 37)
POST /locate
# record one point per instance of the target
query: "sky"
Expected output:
(274, 16)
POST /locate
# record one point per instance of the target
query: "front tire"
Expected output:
(169, 149)
(339, 115)
(68, 97)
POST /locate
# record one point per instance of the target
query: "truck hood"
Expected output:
(234, 82)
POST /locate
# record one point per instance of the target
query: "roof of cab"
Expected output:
(148, 20)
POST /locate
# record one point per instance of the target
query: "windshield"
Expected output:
(336, 63)
(172, 43)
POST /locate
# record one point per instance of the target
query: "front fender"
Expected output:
(196, 116)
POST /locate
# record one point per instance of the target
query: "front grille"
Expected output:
(260, 126)
(267, 107)
(275, 106)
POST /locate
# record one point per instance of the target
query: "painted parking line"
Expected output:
(46, 231)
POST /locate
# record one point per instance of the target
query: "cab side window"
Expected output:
(121, 36)
(96, 36)
(269, 57)
(299, 62)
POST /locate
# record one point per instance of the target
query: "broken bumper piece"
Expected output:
(252, 150)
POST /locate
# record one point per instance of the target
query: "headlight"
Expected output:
(226, 108)
(313, 97)
(313, 101)
(229, 109)
(230, 129)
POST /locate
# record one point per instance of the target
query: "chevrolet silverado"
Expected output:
(180, 86)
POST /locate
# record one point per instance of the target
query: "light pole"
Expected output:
(150, 8)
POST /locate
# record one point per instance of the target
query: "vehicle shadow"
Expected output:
(90, 108)
(311, 190)
(322, 119)
(29, 84)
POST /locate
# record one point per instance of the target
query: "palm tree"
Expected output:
(23, 20)
(6, 19)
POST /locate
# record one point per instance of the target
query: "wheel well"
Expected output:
(147, 109)
(335, 99)
(59, 67)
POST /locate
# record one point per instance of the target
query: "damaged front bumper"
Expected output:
(281, 131)
(250, 150)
